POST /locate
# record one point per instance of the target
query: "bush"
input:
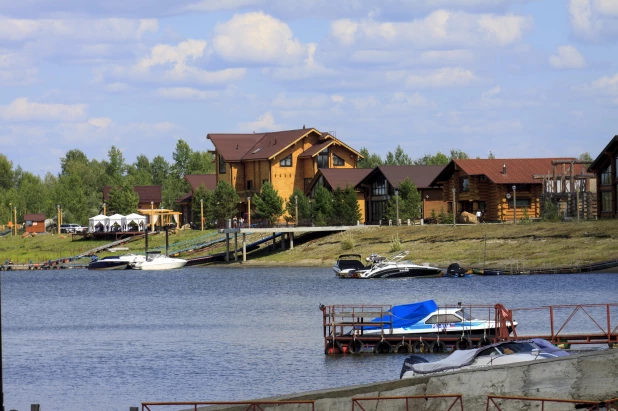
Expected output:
(348, 242)
(551, 210)
(395, 244)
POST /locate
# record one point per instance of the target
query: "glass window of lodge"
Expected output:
(521, 202)
(378, 187)
(221, 164)
(606, 201)
(464, 184)
(323, 159)
(378, 209)
(249, 184)
(338, 161)
(286, 162)
(606, 175)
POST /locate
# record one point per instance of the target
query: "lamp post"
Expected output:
(152, 216)
(15, 218)
(104, 209)
(249, 212)
(58, 218)
(514, 205)
(202, 212)
(296, 202)
(397, 205)
(454, 208)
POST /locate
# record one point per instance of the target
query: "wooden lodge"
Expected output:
(185, 202)
(34, 223)
(605, 168)
(503, 189)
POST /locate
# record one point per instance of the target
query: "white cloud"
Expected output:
(257, 38)
(173, 64)
(15, 69)
(100, 122)
(187, 93)
(415, 100)
(594, 20)
(21, 109)
(79, 30)
(606, 85)
(308, 69)
(444, 77)
(306, 102)
(441, 28)
(218, 5)
(567, 57)
(266, 122)
(607, 7)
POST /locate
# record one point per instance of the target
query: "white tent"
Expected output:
(117, 219)
(138, 219)
(96, 221)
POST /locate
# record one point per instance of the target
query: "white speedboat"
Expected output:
(395, 267)
(426, 319)
(116, 262)
(160, 262)
(507, 352)
(349, 263)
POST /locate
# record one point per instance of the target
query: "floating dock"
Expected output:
(343, 328)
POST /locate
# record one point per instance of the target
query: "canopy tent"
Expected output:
(117, 222)
(96, 223)
(140, 220)
(161, 215)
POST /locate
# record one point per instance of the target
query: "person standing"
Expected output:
(479, 215)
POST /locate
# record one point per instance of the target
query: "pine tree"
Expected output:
(207, 196)
(346, 210)
(122, 200)
(322, 206)
(224, 202)
(409, 202)
(304, 208)
(268, 204)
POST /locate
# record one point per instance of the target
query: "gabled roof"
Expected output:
(342, 177)
(518, 170)
(421, 176)
(316, 148)
(196, 180)
(34, 217)
(265, 146)
(612, 147)
(146, 194)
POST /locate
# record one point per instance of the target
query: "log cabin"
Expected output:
(606, 171)
(185, 203)
(380, 185)
(503, 189)
(288, 159)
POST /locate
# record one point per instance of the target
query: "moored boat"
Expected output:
(395, 266)
(108, 263)
(160, 262)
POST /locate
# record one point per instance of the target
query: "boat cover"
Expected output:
(405, 315)
(462, 358)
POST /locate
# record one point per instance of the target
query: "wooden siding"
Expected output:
(36, 227)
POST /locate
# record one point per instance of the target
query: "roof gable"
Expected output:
(421, 176)
(611, 147)
(196, 180)
(34, 217)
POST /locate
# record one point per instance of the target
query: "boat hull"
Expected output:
(108, 265)
(405, 272)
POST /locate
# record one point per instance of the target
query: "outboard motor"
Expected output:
(409, 362)
(456, 270)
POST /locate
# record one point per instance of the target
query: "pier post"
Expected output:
(227, 246)
(244, 247)
(282, 241)
(291, 240)
(235, 246)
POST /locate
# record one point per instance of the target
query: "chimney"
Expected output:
(303, 126)
(504, 168)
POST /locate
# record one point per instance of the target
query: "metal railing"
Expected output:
(247, 405)
(410, 401)
(592, 405)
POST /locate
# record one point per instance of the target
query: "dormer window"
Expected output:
(221, 164)
(338, 161)
(286, 161)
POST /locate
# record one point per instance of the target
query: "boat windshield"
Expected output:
(463, 315)
(510, 348)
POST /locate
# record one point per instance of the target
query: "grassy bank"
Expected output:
(535, 245)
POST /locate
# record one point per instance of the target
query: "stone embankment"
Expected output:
(589, 376)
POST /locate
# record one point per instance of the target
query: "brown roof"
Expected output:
(315, 149)
(342, 177)
(196, 180)
(421, 176)
(518, 170)
(34, 217)
(146, 194)
(605, 153)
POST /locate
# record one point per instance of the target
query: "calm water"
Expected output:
(80, 340)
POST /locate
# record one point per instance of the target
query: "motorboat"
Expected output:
(426, 319)
(347, 263)
(395, 266)
(506, 352)
(160, 262)
(456, 271)
(108, 263)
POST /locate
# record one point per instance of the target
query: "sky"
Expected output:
(518, 78)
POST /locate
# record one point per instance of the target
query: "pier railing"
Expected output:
(256, 405)
(494, 402)
(414, 402)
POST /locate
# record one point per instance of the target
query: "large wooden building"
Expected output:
(185, 202)
(500, 188)
(287, 159)
(380, 184)
(605, 167)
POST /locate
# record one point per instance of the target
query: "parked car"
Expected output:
(72, 228)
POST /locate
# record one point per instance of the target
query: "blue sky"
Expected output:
(519, 78)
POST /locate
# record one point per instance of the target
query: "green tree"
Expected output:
(72, 157)
(122, 200)
(550, 210)
(115, 169)
(491, 155)
(439, 159)
(182, 159)
(458, 155)
(140, 172)
(201, 162)
(370, 160)
(224, 201)
(322, 206)
(304, 208)
(208, 196)
(346, 210)
(409, 202)
(586, 157)
(268, 204)
(398, 158)
(6, 173)
(160, 170)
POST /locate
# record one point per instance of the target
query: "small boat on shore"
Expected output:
(395, 266)
(108, 263)
(505, 352)
(160, 262)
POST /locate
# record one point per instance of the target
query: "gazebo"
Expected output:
(160, 215)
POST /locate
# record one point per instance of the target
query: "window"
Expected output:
(378, 209)
(443, 319)
(606, 175)
(482, 206)
(323, 159)
(378, 188)
(221, 164)
(286, 162)
(521, 202)
(338, 161)
(606, 201)
(249, 184)
(464, 184)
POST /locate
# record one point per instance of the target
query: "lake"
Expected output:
(87, 340)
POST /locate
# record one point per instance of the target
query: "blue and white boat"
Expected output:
(426, 319)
